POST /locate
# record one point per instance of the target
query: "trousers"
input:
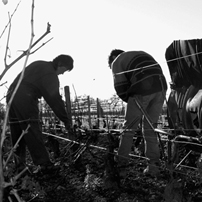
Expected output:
(152, 105)
(23, 111)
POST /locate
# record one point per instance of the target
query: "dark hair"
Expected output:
(63, 60)
(114, 53)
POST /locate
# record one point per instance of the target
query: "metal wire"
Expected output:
(132, 155)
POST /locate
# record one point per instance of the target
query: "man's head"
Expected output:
(114, 53)
(63, 63)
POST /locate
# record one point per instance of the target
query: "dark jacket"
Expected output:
(40, 80)
(136, 72)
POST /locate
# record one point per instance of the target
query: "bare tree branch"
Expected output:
(14, 179)
(9, 32)
(16, 145)
(3, 83)
(20, 79)
(10, 19)
(41, 46)
(25, 52)
(9, 104)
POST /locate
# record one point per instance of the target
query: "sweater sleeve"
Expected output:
(121, 82)
(51, 94)
(121, 86)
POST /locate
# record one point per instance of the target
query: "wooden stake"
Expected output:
(68, 103)
(89, 115)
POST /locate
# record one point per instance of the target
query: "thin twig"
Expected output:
(9, 32)
(3, 83)
(16, 144)
(25, 52)
(18, 84)
(43, 44)
(17, 197)
(9, 104)
(10, 19)
(14, 179)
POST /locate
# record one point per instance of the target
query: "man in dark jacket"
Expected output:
(138, 77)
(40, 80)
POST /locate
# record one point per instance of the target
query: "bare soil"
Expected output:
(87, 174)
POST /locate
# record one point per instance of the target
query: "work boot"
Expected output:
(152, 170)
(49, 168)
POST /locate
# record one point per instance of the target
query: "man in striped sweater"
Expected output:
(138, 77)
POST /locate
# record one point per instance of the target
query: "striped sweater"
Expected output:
(184, 61)
(136, 72)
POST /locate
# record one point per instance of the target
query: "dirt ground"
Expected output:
(86, 174)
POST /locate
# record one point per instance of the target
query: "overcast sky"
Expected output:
(89, 29)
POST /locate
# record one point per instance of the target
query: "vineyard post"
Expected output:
(98, 114)
(68, 103)
(89, 115)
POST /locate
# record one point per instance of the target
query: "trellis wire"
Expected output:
(131, 155)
